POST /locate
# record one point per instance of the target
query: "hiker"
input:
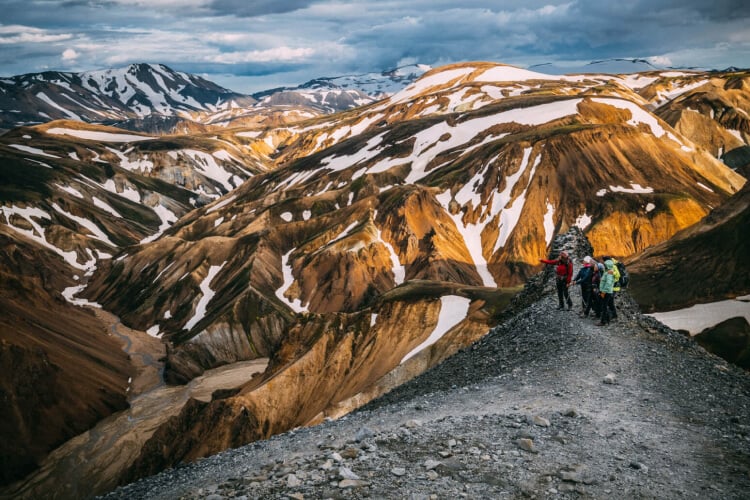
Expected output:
(616, 287)
(596, 300)
(584, 280)
(564, 273)
(606, 291)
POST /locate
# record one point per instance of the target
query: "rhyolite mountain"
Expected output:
(345, 257)
(357, 249)
(73, 195)
(705, 262)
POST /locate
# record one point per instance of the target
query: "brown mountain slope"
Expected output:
(60, 372)
(703, 263)
(301, 263)
(713, 113)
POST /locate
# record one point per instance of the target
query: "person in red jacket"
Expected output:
(563, 273)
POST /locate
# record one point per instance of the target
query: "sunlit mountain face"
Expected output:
(354, 239)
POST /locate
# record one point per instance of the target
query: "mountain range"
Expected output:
(354, 247)
(154, 98)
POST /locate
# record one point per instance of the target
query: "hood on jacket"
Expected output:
(609, 264)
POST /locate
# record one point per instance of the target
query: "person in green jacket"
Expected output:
(606, 292)
(616, 287)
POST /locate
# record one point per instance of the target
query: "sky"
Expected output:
(252, 45)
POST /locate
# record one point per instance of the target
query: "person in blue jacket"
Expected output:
(584, 279)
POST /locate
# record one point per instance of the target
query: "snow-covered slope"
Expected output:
(133, 92)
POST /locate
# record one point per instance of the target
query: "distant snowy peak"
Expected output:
(325, 100)
(376, 85)
(366, 85)
(148, 88)
(137, 91)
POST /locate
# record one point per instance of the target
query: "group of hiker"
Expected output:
(599, 282)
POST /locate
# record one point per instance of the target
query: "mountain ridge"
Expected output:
(342, 242)
(545, 404)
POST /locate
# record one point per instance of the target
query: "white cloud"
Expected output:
(285, 54)
(26, 34)
(660, 60)
(70, 55)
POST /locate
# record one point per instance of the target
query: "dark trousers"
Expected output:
(562, 293)
(612, 309)
(596, 302)
(608, 307)
(586, 298)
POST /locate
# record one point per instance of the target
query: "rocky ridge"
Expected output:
(546, 405)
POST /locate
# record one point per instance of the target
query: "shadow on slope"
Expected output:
(59, 371)
(706, 262)
(729, 339)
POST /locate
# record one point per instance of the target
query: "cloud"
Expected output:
(27, 34)
(274, 54)
(660, 60)
(253, 8)
(69, 55)
(277, 40)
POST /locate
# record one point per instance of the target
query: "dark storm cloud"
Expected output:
(252, 8)
(303, 39)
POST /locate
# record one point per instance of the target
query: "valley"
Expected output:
(90, 463)
(237, 266)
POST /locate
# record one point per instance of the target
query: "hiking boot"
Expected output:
(570, 306)
(601, 324)
(560, 307)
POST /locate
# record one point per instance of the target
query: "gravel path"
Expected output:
(547, 405)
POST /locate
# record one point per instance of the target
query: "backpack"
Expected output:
(624, 276)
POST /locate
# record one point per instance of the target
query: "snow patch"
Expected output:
(99, 136)
(167, 219)
(70, 190)
(154, 331)
(91, 226)
(634, 189)
(221, 204)
(34, 151)
(208, 294)
(549, 223)
(70, 293)
(286, 269)
(399, 272)
(453, 309)
(638, 114)
(583, 221)
(106, 207)
(697, 318)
